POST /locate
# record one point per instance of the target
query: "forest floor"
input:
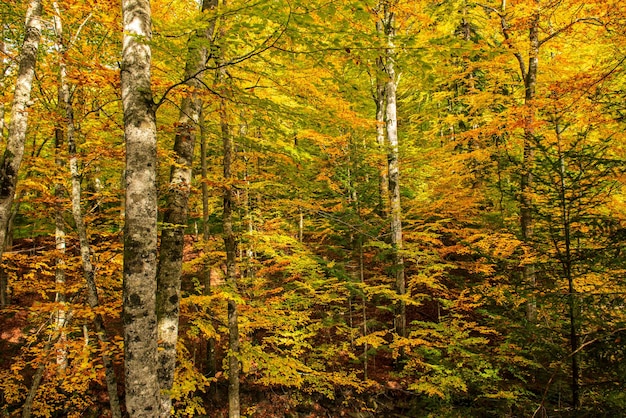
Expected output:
(16, 324)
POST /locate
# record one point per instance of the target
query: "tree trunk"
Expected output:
(211, 360)
(379, 100)
(526, 215)
(27, 408)
(59, 235)
(394, 168)
(566, 261)
(4, 66)
(140, 229)
(170, 266)
(58, 195)
(231, 267)
(12, 157)
(85, 249)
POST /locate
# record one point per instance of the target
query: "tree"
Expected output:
(175, 219)
(69, 131)
(140, 229)
(14, 151)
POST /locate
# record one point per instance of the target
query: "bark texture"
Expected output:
(140, 229)
(393, 157)
(211, 355)
(379, 99)
(14, 151)
(58, 194)
(231, 268)
(175, 218)
(526, 214)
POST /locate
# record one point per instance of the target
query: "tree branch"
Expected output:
(265, 45)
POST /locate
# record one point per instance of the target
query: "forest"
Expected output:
(321, 208)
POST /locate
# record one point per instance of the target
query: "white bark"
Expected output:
(140, 230)
(393, 157)
(12, 158)
(58, 207)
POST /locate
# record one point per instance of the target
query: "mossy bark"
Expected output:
(170, 265)
(14, 151)
(140, 229)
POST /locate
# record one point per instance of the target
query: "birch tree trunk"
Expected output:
(175, 218)
(85, 249)
(14, 151)
(140, 229)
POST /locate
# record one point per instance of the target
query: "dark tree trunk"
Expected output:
(175, 218)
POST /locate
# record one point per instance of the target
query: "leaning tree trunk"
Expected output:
(170, 266)
(85, 248)
(140, 229)
(12, 157)
(27, 408)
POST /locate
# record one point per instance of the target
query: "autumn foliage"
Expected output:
(511, 147)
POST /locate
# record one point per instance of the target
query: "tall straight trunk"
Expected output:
(566, 261)
(529, 76)
(393, 158)
(65, 102)
(140, 229)
(231, 266)
(211, 359)
(170, 265)
(379, 99)
(230, 244)
(14, 151)
(248, 214)
(526, 183)
(58, 207)
(59, 236)
(4, 61)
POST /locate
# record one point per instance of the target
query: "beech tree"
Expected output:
(69, 131)
(393, 158)
(18, 125)
(451, 240)
(175, 219)
(140, 229)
